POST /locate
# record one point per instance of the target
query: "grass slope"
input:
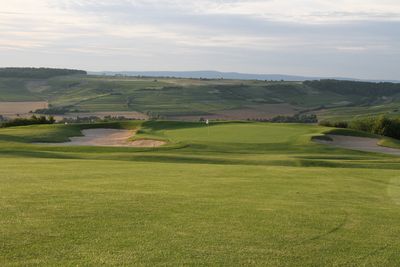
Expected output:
(390, 142)
(227, 195)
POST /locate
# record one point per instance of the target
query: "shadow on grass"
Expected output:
(143, 156)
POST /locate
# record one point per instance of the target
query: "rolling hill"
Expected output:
(74, 92)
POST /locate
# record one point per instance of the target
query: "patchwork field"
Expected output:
(191, 99)
(266, 111)
(11, 109)
(230, 194)
(126, 114)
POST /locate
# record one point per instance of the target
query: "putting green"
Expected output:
(240, 133)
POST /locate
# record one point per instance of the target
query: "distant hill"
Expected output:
(37, 73)
(173, 98)
(229, 76)
(208, 75)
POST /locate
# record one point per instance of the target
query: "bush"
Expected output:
(379, 125)
(356, 88)
(325, 123)
(385, 126)
(341, 124)
(298, 118)
(53, 111)
(312, 118)
(336, 124)
(95, 119)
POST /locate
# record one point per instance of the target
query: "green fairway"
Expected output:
(228, 194)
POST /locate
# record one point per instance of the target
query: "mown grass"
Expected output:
(230, 194)
(390, 142)
(351, 132)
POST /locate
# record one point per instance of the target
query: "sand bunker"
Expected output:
(358, 143)
(147, 143)
(109, 137)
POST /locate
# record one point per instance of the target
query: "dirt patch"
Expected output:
(358, 143)
(108, 137)
(12, 109)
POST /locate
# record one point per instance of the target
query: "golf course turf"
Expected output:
(228, 194)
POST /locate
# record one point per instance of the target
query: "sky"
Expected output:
(341, 38)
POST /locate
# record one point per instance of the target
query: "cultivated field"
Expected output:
(12, 109)
(191, 99)
(267, 111)
(126, 114)
(230, 194)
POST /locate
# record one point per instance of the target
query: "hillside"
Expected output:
(210, 74)
(207, 75)
(73, 92)
(37, 73)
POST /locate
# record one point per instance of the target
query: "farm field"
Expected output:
(233, 193)
(192, 99)
(12, 109)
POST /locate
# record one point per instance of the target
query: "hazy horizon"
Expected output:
(347, 38)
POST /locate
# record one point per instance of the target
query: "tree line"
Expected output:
(381, 125)
(28, 121)
(37, 73)
(355, 87)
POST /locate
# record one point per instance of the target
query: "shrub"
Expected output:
(378, 125)
(53, 111)
(341, 124)
(325, 123)
(312, 118)
(336, 124)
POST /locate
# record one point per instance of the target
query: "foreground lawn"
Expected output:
(278, 200)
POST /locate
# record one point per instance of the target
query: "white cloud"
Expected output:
(282, 10)
(201, 30)
(310, 10)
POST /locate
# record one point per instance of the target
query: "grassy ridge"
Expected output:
(390, 142)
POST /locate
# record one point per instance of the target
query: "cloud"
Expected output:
(260, 36)
(283, 10)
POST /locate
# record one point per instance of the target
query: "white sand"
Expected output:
(359, 143)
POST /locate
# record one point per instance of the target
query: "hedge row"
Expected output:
(378, 125)
(28, 121)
